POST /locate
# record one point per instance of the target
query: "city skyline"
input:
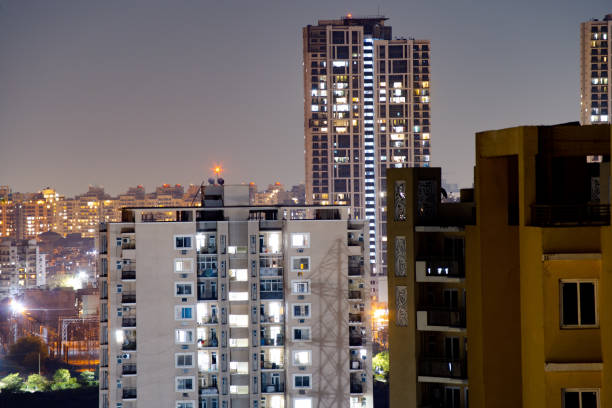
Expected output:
(131, 88)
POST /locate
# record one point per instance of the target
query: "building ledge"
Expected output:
(442, 380)
(562, 367)
(423, 325)
(591, 256)
(437, 228)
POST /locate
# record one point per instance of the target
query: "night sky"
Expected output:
(119, 93)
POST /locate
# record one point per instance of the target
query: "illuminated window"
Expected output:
(302, 357)
(300, 240)
(302, 403)
(183, 336)
(300, 286)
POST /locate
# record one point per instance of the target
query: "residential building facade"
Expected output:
(22, 266)
(537, 273)
(427, 291)
(366, 109)
(595, 71)
(231, 305)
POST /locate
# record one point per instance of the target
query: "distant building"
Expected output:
(366, 109)
(22, 266)
(233, 305)
(276, 194)
(595, 71)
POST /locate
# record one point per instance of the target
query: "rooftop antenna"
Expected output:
(217, 169)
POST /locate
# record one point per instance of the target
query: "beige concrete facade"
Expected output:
(271, 310)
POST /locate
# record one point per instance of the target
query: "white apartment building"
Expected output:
(366, 109)
(231, 305)
(595, 54)
(22, 266)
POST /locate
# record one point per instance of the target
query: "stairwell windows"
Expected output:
(184, 384)
(301, 334)
(183, 312)
(300, 287)
(183, 289)
(578, 303)
(183, 265)
(300, 263)
(184, 336)
(302, 381)
(302, 357)
(182, 242)
(301, 310)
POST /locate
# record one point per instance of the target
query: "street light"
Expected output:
(17, 307)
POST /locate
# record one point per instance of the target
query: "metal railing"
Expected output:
(269, 388)
(128, 298)
(546, 215)
(128, 274)
(442, 367)
(440, 316)
(128, 322)
(128, 369)
(129, 393)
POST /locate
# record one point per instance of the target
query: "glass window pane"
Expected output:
(587, 303)
(571, 399)
(570, 303)
(589, 399)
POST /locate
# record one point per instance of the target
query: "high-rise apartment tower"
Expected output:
(366, 109)
(231, 305)
(595, 53)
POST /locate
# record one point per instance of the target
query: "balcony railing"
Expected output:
(355, 318)
(355, 270)
(355, 294)
(209, 320)
(269, 341)
(208, 273)
(443, 367)
(129, 393)
(128, 245)
(211, 342)
(269, 365)
(128, 298)
(357, 388)
(271, 318)
(128, 274)
(129, 346)
(271, 295)
(128, 369)
(263, 271)
(209, 390)
(355, 341)
(208, 295)
(270, 388)
(128, 322)
(441, 316)
(210, 249)
(549, 215)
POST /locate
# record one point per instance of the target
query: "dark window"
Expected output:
(338, 37)
(342, 52)
(355, 37)
(400, 67)
(340, 186)
(396, 51)
(344, 141)
(344, 170)
(578, 303)
(396, 111)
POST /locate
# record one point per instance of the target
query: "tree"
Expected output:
(380, 364)
(11, 383)
(27, 350)
(87, 379)
(63, 381)
(36, 382)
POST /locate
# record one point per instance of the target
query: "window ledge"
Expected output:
(560, 367)
(591, 256)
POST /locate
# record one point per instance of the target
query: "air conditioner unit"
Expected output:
(184, 252)
(126, 356)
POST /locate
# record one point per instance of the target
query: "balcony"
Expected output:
(210, 342)
(355, 270)
(129, 345)
(128, 245)
(357, 388)
(209, 320)
(128, 369)
(128, 298)
(440, 319)
(207, 250)
(272, 388)
(129, 393)
(443, 367)
(128, 322)
(356, 365)
(563, 215)
(271, 318)
(272, 365)
(128, 274)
